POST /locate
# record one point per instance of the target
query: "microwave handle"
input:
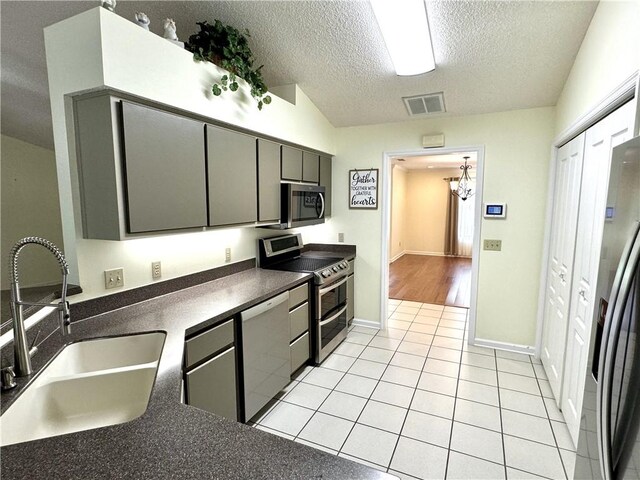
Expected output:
(321, 195)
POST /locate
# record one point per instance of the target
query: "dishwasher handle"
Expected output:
(264, 307)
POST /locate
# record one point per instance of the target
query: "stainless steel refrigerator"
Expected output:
(609, 443)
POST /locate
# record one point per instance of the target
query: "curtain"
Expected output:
(460, 219)
(451, 229)
(466, 210)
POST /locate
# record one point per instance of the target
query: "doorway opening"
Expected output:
(431, 235)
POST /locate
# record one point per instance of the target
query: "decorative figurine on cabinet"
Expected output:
(143, 20)
(109, 5)
(170, 32)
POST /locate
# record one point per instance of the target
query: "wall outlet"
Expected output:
(114, 278)
(341, 237)
(156, 270)
(494, 245)
(227, 255)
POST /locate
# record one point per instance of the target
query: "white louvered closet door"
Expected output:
(599, 142)
(566, 201)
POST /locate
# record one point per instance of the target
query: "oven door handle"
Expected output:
(329, 320)
(333, 286)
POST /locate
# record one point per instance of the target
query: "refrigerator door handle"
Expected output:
(617, 304)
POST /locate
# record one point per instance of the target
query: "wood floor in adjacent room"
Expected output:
(427, 279)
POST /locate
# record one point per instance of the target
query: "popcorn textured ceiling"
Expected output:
(491, 55)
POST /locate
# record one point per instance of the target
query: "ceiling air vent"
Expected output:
(425, 104)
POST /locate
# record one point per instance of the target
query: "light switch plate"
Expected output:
(493, 245)
(114, 278)
(341, 237)
(227, 255)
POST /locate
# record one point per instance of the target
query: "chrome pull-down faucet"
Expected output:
(21, 352)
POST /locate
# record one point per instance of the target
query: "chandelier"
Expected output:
(464, 187)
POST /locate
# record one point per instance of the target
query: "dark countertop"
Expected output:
(173, 440)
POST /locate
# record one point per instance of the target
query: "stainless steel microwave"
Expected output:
(301, 205)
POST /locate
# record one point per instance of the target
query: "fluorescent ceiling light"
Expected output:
(406, 33)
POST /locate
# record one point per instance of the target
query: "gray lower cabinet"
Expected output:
(291, 164)
(268, 181)
(232, 175)
(325, 181)
(212, 385)
(351, 291)
(310, 167)
(210, 371)
(350, 298)
(299, 326)
(164, 170)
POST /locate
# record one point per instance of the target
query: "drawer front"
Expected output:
(299, 321)
(299, 352)
(298, 295)
(208, 343)
(212, 386)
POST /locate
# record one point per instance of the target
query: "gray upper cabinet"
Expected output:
(164, 170)
(325, 181)
(268, 181)
(144, 170)
(300, 166)
(98, 168)
(310, 167)
(231, 162)
(291, 163)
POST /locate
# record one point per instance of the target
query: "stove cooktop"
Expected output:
(306, 264)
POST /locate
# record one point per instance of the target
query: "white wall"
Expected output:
(426, 209)
(609, 54)
(29, 207)
(516, 166)
(98, 48)
(398, 209)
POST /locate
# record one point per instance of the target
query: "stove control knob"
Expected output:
(344, 265)
(325, 273)
(335, 269)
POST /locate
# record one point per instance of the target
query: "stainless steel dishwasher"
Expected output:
(265, 347)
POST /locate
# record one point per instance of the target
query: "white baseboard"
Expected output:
(422, 252)
(398, 256)
(426, 254)
(508, 347)
(361, 322)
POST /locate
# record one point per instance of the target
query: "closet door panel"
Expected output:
(561, 255)
(599, 142)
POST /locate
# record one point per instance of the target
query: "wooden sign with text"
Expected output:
(363, 189)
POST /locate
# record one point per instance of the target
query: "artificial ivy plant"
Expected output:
(228, 48)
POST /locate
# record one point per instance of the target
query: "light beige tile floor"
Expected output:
(416, 401)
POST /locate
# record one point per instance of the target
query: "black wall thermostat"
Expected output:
(495, 210)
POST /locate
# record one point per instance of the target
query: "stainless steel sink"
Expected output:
(89, 384)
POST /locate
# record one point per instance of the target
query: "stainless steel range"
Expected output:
(329, 326)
